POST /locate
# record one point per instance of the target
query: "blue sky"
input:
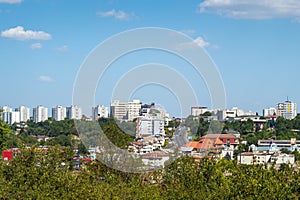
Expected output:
(254, 44)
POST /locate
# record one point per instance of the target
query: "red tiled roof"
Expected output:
(221, 136)
(219, 141)
(211, 140)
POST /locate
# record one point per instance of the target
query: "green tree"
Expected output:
(5, 134)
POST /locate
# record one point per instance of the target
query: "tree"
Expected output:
(82, 149)
(5, 132)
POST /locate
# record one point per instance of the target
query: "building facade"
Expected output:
(118, 110)
(40, 113)
(269, 112)
(59, 113)
(133, 109)
(198, 110)
(125, 111)
(99, 111)
(288, 110)
(24, 113)
(74, 112)
(148, 126)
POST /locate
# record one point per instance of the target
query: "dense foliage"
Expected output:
(42, 176)
(65, 133)
(36, 174)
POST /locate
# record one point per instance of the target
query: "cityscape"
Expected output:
(128, 111)
(150, 124)
(110, 99)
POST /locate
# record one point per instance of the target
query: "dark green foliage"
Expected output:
(35, 175)
(52, 128)
(116, 134)
(5, 135)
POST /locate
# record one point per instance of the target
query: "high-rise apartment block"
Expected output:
(288, 110)
(74, 112)
(59, 113)
(40, 113)
(125, 111)
(24, 113)
(10, 116)
(134, 109)
(149, 125)
(99, 111)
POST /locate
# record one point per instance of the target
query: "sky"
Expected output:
(253, 43)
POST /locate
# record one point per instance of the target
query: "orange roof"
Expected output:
(202, 144)
(214, 136)
(195, 145)
(219, 141)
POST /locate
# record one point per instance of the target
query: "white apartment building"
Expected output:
(40, 113)
(134, 109)
(59, 113)
(198, 110)
(149, 125)
(288, 110)
(125, 111)
(11, 117)
(24, 113)
(21, 114)
(118, 110)
(6, 109)
(269, 112)
(74, 112)
(99, 111)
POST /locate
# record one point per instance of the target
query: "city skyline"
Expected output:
(59, 112)
(255, 48)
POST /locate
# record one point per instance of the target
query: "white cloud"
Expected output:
(63, 48)
(252, 9)
(120, 15)
(201, 42)
(45, 78)
(10, 1)
(18, 33)
(36, 46)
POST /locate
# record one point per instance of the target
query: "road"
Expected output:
(180, 136)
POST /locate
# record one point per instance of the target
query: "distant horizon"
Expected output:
(245, 110)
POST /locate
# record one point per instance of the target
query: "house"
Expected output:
(220, 144)
(249, 158)
(155, 158)
(218, 141)
(283, 159)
